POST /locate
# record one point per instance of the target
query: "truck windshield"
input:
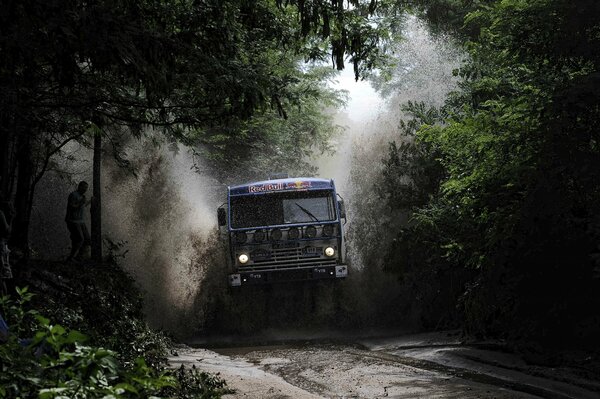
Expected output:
(282, 208)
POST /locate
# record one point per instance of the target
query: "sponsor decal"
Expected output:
(297, 185)
(261, 188)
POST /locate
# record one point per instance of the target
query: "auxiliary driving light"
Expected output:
(240, 237)
(329, 251)
(310, 232)
(243, 258)
(293, 233)
(259, 236)
(276, 234)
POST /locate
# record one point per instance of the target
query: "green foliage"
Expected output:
(450, 15)
(214, 75)
(267, 143)
(515, 203)
(412, 173)
(22, 321)
(57, 363)
(354, 29)
(101, 300)
(192, 383)
(174, 65)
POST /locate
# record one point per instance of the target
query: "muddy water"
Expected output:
(430, 366)
(334, 372)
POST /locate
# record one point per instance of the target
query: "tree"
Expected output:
(518, 202)
(96, 206)
(189, 68)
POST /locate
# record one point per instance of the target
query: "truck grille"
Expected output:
(285, 258)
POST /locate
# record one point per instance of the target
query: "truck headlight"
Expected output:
(329, 251)
(243, 258)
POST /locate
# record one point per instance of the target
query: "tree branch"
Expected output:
(49, 155)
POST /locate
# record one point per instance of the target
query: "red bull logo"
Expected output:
(267, 187)
(261, 188)
(298, 185)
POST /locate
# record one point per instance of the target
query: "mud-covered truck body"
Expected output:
(283, 230)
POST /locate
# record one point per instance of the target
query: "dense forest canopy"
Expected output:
(206, 73)
(502, 182)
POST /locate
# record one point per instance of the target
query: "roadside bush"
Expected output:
(101, 299)
(56, 362)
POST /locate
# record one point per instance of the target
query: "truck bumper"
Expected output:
(284, 275)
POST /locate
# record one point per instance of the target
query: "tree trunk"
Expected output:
(8, 160)
(96, 208)
(24, 196)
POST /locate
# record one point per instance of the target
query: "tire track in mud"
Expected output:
(357, 368)
(473, 376)
(337, 371)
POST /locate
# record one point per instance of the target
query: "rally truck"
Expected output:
(288, 229)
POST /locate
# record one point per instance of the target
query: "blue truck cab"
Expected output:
(283, 230)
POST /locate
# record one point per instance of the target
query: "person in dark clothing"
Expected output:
(7, 213)
(80, 238)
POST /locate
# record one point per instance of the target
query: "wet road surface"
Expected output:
(414, 366)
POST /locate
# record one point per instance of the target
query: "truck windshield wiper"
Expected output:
(306, 211)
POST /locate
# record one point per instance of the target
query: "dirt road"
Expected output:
(415, 366)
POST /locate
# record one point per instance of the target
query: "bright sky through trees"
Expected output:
(363, 101)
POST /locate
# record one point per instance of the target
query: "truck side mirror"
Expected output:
(342, 209)
(222, 216)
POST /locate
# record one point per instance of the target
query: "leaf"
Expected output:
(42, 320)
(52, 393)
(58, 330)
(127, 387)
(76, 336)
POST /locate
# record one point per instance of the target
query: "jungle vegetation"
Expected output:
(502, 183)
(207, 74)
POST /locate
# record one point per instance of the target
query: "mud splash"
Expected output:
(167, 214)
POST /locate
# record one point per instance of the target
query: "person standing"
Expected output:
(7, 213)
(80, 237)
